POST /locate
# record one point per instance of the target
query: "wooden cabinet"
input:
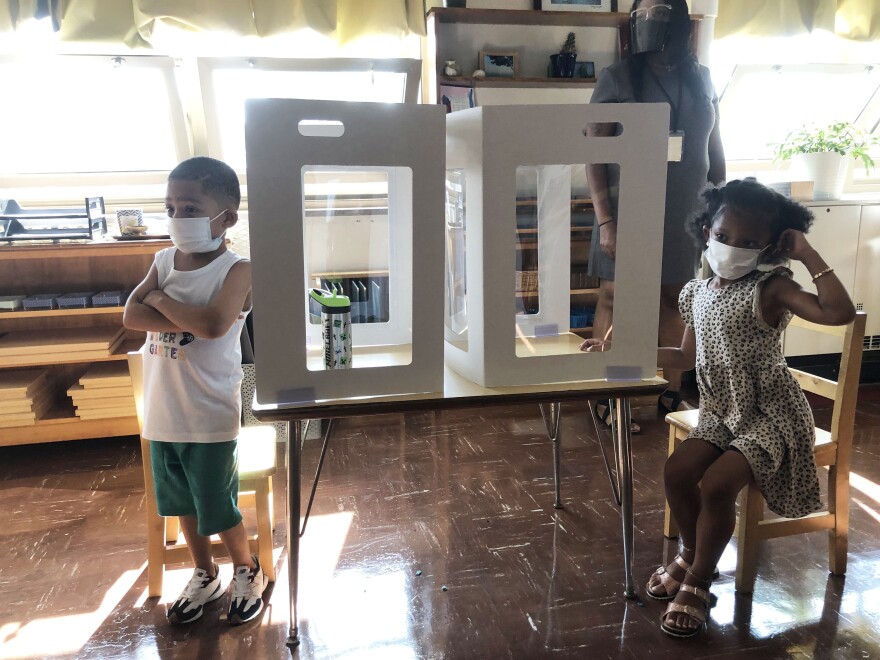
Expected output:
(68, 268)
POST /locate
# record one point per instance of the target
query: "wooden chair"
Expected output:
(832, 450)
(256, 458)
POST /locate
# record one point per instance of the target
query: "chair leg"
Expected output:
(155, 528)
(670, 529)
(264, 527)
(750, 515)
(838, 504)
(172, 529)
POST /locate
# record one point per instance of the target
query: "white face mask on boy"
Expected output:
(191, 235)
(731, 263)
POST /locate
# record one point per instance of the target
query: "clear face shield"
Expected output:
(649, 28)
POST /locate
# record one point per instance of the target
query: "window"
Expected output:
(227, 83)
(762, 102)
(84, 114)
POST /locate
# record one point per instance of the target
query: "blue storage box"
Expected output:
(109, 299)
(41, 301)
(75, 300)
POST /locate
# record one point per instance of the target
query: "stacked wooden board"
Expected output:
(104, 391)
(25, 396)
(63, 344)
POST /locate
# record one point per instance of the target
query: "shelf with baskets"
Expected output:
(58, 348)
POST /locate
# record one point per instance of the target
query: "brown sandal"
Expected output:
(670, 584)
(697, 614)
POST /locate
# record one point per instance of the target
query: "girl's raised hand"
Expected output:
(595, 345)
(793, 244)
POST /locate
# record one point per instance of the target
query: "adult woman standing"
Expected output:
(659, 69)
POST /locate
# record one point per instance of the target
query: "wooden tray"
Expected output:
(108, 374)
(18, 385)
(60, 340)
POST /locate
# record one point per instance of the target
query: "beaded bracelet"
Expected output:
(820, 273)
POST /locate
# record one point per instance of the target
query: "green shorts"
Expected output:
(198, 479)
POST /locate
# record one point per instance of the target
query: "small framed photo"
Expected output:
(500, 63)
(576, 5)
(585, 70)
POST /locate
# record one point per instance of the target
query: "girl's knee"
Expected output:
(719, 489)
(680, 472)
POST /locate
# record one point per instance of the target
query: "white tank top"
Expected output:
(192, 386)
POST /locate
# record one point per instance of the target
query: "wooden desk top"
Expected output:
(458, 392)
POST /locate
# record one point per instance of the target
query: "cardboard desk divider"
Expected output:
(494, 346)
(407, 143)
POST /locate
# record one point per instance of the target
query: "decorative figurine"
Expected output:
(450, 68)
(479, 74)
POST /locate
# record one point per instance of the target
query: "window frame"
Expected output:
(410, 67)
(61, 181)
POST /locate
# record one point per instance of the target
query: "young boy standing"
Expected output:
(192, 304)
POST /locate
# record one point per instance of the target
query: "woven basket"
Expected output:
(526, 280)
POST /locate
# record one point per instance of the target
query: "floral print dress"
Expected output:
(748, 398)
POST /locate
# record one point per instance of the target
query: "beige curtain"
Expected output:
(850, 19)
(133, 22)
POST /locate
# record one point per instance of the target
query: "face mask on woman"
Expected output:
(191, 235)
(732, 263)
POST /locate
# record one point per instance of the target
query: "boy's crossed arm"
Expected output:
(150, 309)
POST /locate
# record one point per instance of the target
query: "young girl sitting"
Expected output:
(755, 423)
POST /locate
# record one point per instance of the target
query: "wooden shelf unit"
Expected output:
(27, 269)
(440, 18)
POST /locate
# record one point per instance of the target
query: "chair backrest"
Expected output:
(844, 391)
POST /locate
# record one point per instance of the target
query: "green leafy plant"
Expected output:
(569, 45)
(841, 137)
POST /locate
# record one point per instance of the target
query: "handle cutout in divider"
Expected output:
(321, 128)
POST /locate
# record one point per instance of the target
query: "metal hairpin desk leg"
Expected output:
(294, 478)
(551, 422)
(624, 471)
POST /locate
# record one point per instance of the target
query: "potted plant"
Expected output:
(562, 64)
(824, 153)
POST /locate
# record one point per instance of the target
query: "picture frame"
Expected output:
(585, 70)
(576, 5)
(499, 63)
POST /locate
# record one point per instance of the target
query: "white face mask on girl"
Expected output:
(731, 263)
(191, 235)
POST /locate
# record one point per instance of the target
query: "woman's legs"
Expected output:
(604, 307)
(722, 482)
(681, 478)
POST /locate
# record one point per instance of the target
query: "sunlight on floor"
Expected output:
(866, 486)
(53, 636)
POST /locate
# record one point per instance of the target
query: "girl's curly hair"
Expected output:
(748, 197)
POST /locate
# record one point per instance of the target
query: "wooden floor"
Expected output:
(433, 536)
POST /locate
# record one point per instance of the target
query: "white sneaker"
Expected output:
(202, 589)
(248, 585)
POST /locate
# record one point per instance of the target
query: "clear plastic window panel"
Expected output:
(455, 308)
(347, 241)
(555, 294)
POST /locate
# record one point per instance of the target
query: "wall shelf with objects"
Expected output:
(48, 355)
(461, 34)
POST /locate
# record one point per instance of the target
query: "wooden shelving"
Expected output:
(527, 17)
(87, 311)
(461, 81)
(27, 269)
